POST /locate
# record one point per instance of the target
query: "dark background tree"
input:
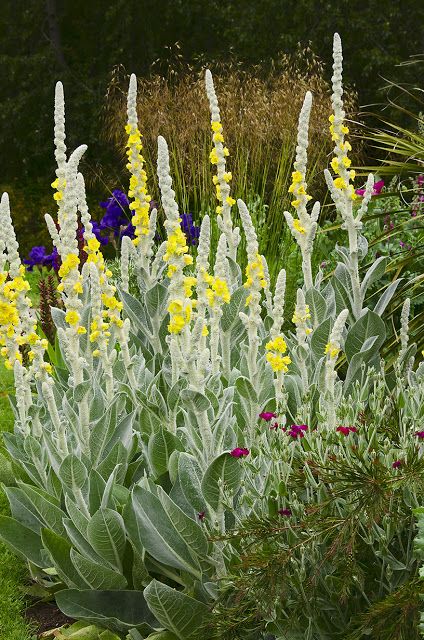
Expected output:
(80, 41)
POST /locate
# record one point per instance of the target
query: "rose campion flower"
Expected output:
(239, 452)
(284, 512)
(376, 189)
(297, 430)
(343, 430)
(397, 464)
(420, 434)
(267, 415)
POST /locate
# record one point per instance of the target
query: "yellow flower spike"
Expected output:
(93, 244)
(339, 183)
(230, 201)
(216, 126)
(177, 324)
(171, 270)
(205, 331)
(297, 176)
(277, 362)
(72, 317)
(32, 338)
(176, 306)
(332, 350)
(213, 157)
(298, 226)
(335, 164)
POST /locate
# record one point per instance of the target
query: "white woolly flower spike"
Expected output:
(223, 177)
(332, 351)
(277, 313)
(303, 228)
(255, 282)
(59, 130)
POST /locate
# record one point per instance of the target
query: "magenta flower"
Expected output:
(201, 515)
(420, 434)
(274, 426)
(376, 189)
(267, 415)
(239, 452)
(397, 464)
(284, 512)
(297, 430)
(344, 430)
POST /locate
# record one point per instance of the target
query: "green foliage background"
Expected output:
(80, 42)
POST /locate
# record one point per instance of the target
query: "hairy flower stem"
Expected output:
(214, 344)
(354, 269)
(205, 432)
(252, 355)
(55, 418)
(226, 353)
(307, 270)
(84, 421)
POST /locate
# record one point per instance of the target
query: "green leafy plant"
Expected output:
(144, 458)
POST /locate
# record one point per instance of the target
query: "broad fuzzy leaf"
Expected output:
(176, 611)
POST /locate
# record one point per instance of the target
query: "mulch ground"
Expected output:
(45, 616)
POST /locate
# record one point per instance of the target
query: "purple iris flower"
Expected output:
(97, 230)
(117, 213)
(191, 231)
(128, 231)
(39, 258)
(52, 260)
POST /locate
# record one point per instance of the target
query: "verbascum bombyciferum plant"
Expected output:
(143, 451)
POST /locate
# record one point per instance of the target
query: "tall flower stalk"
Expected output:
(341, 187)
(255, 282)
(303, 228)
(223, 177)
(144, 228)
